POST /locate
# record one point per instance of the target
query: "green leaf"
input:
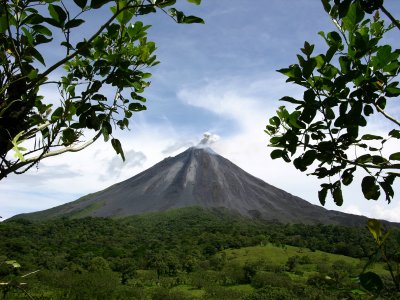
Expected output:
(395, 133)
(386, 185)
(106, 130)
(197, 2)
(3, 23)
(275, 121)
(28, 35)
(369, 188)
(293, 71)
(337, 195)
(395, 156)
(33, 74)
(164, 3)
(74, 23)
(57, 13)
(368, 137)
(381, 102)
(384, 55)
(15, 142)
(345, 64)
(81, 3)
(118, 148)
(41, 39)
(326, 5)
(330, 115)
(364, 159)
(392, 91)
(136, 107)
(370, 6)
(309, 156)
(192, 20)
(334, 39)
(291, 100)
(57, 114)
(68, 136)
(294, 120)
(36, 54)
(277, 153)
(375, 227)
(98, 3)
(126, 14)
(308, 67)
(307, 49)
(42, 29)
(368, 110)
(322, 195)
(353, 16)
(344, 8)
(372, 282)
(377, 159)
(347, 176)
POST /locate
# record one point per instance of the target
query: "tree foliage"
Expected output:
(97, 258)
(64, 83)
(355, 80)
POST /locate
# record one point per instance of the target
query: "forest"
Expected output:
(188, 253)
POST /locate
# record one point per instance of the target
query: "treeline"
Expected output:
(98, 255)
(186, 234)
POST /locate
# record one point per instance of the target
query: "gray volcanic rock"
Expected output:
(197, 177)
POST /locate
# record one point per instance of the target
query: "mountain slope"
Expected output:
(197, 177)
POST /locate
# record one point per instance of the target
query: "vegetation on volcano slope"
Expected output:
(189, 253)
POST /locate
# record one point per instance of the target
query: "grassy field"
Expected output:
(269, 260)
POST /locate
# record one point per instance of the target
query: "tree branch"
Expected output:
(33, 160)
(387, 116)
(389, 15)
(72, 55)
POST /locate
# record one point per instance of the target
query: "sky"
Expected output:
(218, 78)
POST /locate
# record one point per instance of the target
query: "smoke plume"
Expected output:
(208, 139)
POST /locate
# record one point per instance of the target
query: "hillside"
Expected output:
(187, 253)
(197, 177)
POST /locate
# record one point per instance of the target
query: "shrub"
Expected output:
(320, 281)
(292, 263)
(223, 293)
(234, 274)
(272, 293)
(162, 293)
(262, 279)
(304, 260)
(202, 279)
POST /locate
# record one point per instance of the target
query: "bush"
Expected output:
(234, 274)
(262, 279)
(304, 260)
(319, 281)
(292, 263)
(272, 293)
(250, 269)
(202, 279)
(88, 285)
(162, 293)
(223, 293)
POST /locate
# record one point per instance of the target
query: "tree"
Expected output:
(96, 80)
(354, 80)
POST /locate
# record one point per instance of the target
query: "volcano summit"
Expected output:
(197, 177)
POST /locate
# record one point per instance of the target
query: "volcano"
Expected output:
(197, 177)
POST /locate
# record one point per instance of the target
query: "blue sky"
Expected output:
(219, 78)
